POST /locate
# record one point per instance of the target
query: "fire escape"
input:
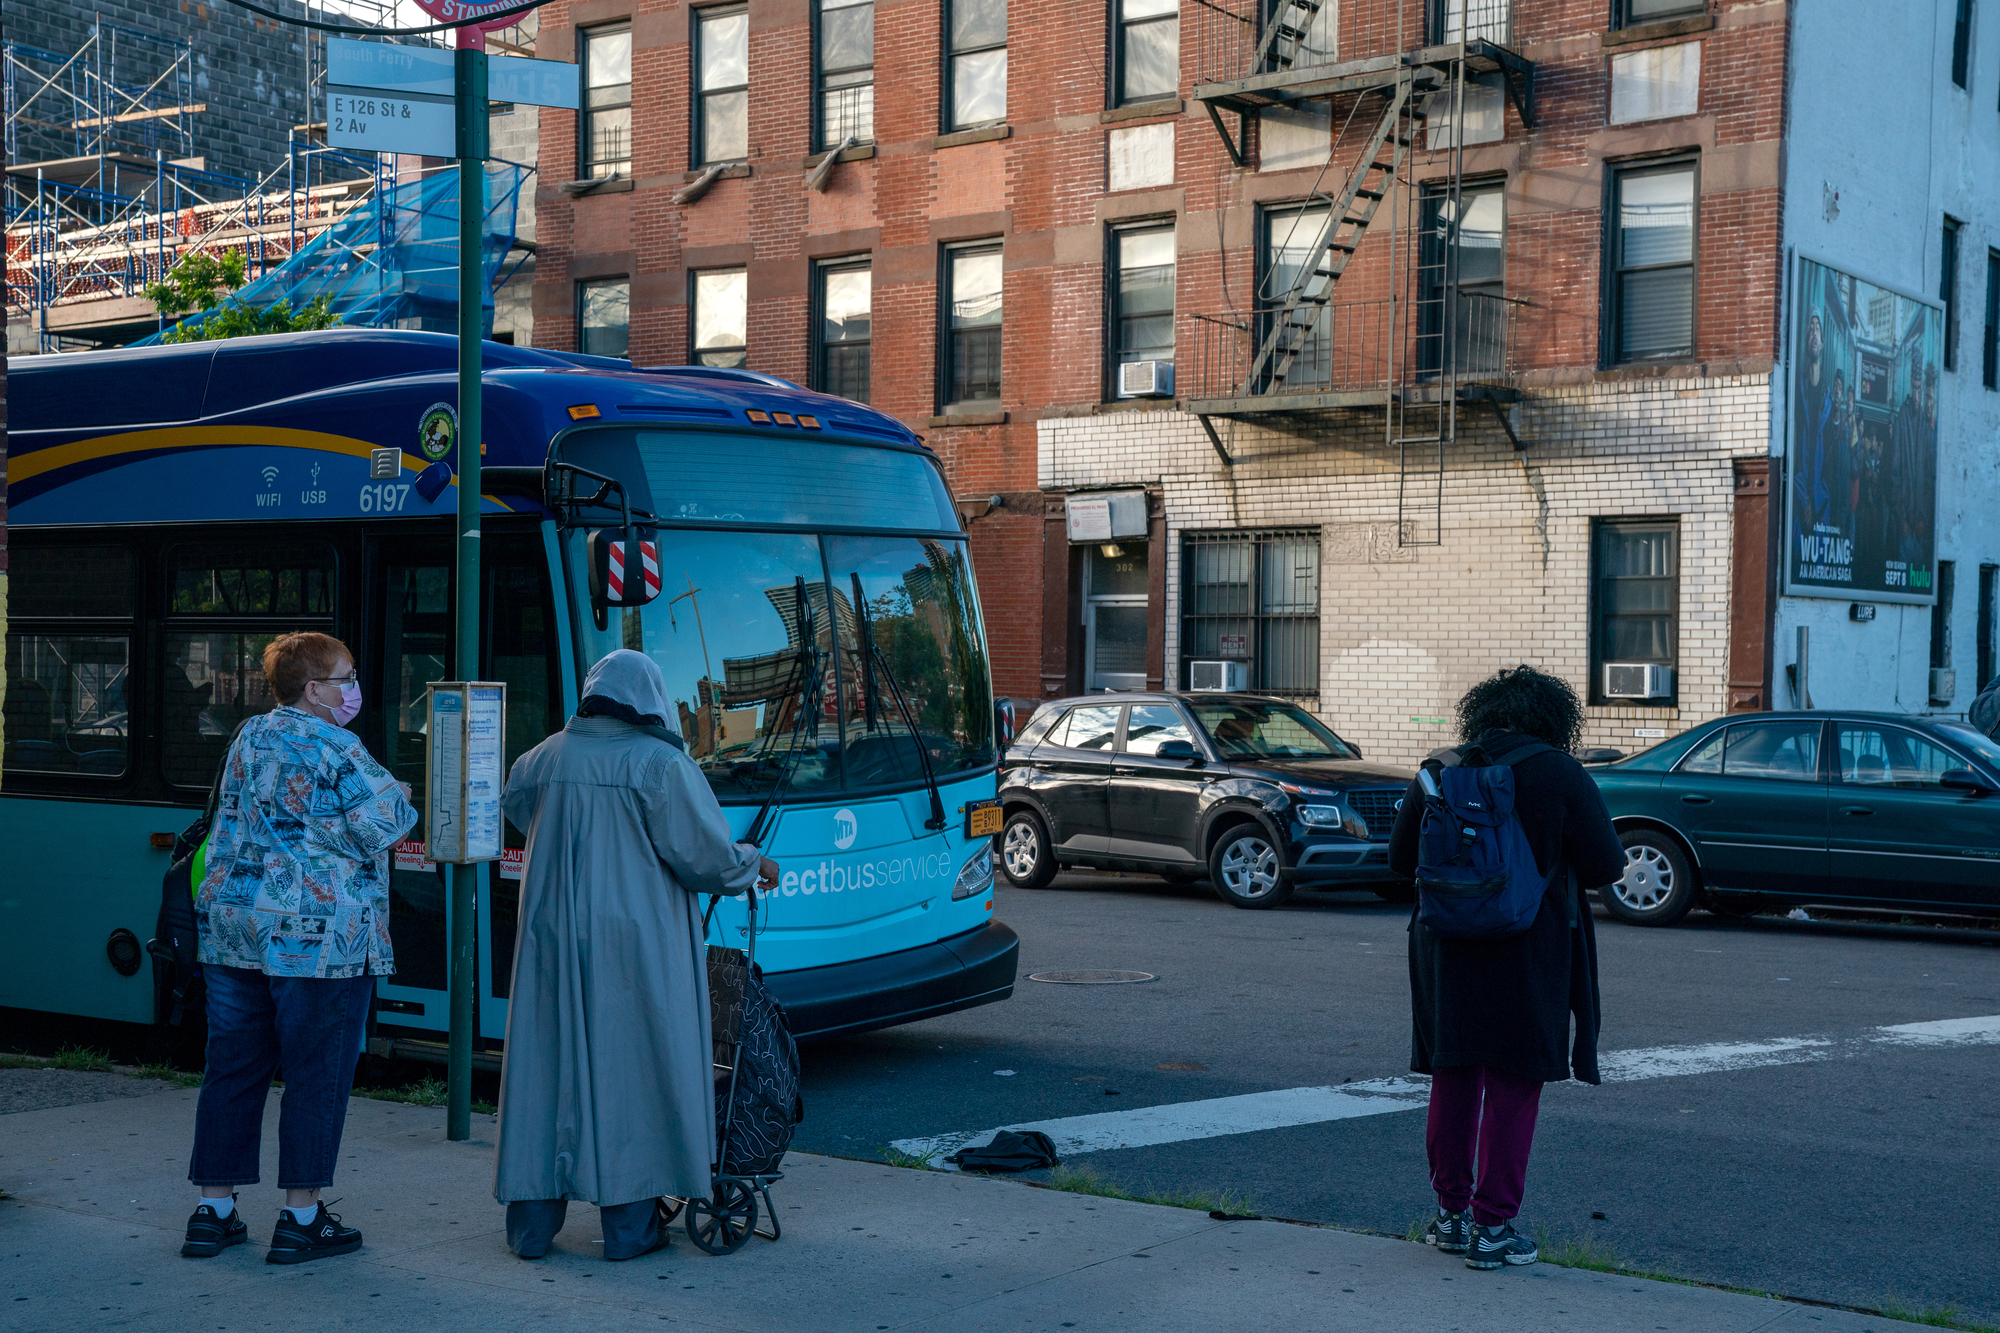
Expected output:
(1339, 324)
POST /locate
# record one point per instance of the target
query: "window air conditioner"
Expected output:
(1218, 677)
(1146, 379)
(1637, 680)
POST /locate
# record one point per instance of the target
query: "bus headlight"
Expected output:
(976, 877)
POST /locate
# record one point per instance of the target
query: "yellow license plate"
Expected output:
(983, 820)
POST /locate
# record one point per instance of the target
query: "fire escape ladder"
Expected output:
(1347, 220)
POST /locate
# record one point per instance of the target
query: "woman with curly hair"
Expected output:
(1492, 1016)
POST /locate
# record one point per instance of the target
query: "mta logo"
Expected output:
(845, 827)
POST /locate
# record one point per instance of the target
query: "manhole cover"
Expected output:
(1099, 977)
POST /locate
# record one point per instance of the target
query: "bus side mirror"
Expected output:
(1004, 728)
(624, 566)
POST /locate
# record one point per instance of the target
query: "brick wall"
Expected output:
(252, 73)
(1404, 630)
(1043, 189)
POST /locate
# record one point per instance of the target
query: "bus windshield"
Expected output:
(896, 638)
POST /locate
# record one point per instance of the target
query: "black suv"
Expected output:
(1253, 792)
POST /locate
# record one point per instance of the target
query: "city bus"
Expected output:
(172, 509)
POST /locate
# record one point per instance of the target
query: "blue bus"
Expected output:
(172, 509)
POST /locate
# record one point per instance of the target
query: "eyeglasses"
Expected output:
(353, 679)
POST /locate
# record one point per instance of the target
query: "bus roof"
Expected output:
(295, 425)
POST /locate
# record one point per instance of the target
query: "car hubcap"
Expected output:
(1250, 868)
(1020, 851)
(1648, 880)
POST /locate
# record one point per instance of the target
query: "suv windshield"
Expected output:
(1268, 730)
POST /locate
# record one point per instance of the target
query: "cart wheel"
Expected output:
(770, 1216)
(721, 1224)
(670, 1208)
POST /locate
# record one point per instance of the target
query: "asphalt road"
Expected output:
(1858, 1179)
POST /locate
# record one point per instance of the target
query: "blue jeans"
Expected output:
(313, 1028)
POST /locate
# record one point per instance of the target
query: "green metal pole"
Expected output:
(472, 124)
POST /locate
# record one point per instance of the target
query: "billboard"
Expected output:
(1861, 461)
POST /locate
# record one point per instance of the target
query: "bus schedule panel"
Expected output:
(466, 767)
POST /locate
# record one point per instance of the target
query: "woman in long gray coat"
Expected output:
(607, 1091)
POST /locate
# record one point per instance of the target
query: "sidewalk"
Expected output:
(91, 1238)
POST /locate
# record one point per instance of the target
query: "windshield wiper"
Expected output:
(873, 660)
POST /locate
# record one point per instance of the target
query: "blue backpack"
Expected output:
(1476, 873)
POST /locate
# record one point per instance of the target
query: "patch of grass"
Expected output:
(429, 1091)
(22, 1062)
(1085, 1180)
(1579, 1252)
(180, 1078)
(84, 1058)
(1415, 1233)
(1930, 1316)
(908, 1160)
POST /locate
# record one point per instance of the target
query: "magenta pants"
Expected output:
(1482, 1109)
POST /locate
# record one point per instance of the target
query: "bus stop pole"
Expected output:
(472, 148)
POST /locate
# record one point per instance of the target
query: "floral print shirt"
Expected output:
(297, 875)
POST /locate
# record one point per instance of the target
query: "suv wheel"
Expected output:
(1025, 856)
(1657, 888)
(1246, 870)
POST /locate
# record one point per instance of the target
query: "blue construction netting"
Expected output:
(393, 262)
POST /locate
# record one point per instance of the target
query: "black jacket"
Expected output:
(1506, 1003)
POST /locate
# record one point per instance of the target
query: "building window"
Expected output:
(1290, 238)
(1147, 50)
(842, 297)
(1475, 20)
(972, 324)
(722, 85)
(976, 66)
(845, 58)
(1253, 597)
(1632, 13)
(1650, 302)
(1464, 280)
(1142, 295)
(1635, 581)
(1961, 44)
(607, 101)
(1987, 649)
(604, 314)
(1948, 289)
(1947, 579)
(721, 323)
(1989, 371)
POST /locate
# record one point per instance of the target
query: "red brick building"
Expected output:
(1554, 331)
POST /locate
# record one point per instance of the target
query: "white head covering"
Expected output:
(632, 679)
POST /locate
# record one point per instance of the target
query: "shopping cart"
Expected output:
(758, 1105)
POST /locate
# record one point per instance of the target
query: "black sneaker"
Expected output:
(1494, 1246)
(294, 1243)
(209, 1235)
(1450, 1232)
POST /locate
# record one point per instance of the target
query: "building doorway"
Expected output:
(1116, 609)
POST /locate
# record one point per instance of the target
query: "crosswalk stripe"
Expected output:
(1285, 1108)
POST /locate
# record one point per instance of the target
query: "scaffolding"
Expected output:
(1338, 323)
(105, 194)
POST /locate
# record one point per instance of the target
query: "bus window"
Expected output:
(415, 597)
(69, 660)
(922, 615)
(213, 676)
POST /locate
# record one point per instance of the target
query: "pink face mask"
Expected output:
(350, 702)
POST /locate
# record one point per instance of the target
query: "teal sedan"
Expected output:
(1759, 810)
